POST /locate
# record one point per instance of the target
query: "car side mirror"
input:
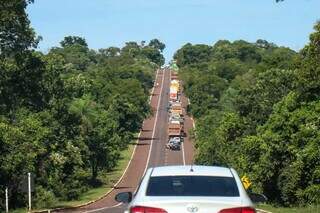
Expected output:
(258, 198)
(124, 197)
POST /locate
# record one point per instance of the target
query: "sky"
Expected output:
(105, 23)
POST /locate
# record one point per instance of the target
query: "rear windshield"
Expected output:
(192, 186)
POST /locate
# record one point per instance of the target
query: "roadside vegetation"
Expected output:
(304, 209)
(257, 109)
(66, 115)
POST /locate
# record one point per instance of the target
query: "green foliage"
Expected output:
(263, 120)
(44, 199)
(156, 44)
(16, 34)
(289, 151)
(73, 40)
(190, 54)
(66, 115)
(309, 67)
(16, 88)
(153, 51)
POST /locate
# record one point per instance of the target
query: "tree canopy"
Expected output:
(257, 109)
(65, 115)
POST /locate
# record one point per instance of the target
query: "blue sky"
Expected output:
(106, 23)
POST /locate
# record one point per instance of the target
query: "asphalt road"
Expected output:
(150, 150)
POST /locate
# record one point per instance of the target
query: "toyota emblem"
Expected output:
(192, 209)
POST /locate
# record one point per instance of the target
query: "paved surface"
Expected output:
(150, 150)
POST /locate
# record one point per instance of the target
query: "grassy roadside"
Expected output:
(108, 179)
(307, 209)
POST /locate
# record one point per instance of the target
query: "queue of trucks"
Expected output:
(176, 119)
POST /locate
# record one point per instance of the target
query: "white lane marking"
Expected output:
(182, 146)
(166, 157)
(137, 140)
(183, 155)
(119, 204)
(154, 85)
(125, 171)
(194, 126)
(154, 125)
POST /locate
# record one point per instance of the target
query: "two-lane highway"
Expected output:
(159, 155)
(150, 150)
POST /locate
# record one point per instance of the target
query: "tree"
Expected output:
(287, 153)
(76, 53)
(73, 40)
(65, 115)
(110, 52)
(21, 84)
(263, 119)
(132, 48)
(156, 44)
(16, 35)
(153, 55)
(256, 102)
(309, 72)
(192, 54)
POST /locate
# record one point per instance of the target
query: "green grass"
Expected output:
(18, 211)
(307, 209)
(108, 179)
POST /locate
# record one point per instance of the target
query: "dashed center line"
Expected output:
(166, 157)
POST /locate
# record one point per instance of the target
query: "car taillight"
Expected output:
(144, 209)
(239, 210)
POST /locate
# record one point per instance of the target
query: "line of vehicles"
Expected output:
(189, 188)
(176, 120)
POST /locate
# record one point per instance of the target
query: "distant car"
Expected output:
(189, 189)
(172, 102)
(175, 139)
(174, 143)
(174, 119)
(175, 116)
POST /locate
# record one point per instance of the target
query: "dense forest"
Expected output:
(66, 115)
(257, 109)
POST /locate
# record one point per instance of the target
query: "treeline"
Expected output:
(66, 115)
(257, 109)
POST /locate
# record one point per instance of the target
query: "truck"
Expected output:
(176, 121)
(176, 108)
(176, 117)
(173, 95)
(174, 76)
(175, 129)
(175, 84)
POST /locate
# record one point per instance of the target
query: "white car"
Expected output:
(189, 189)
(174, 143)
(175, 139)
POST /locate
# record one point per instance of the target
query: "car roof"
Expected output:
(175, 121)
(174, 138)
(196, 171)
